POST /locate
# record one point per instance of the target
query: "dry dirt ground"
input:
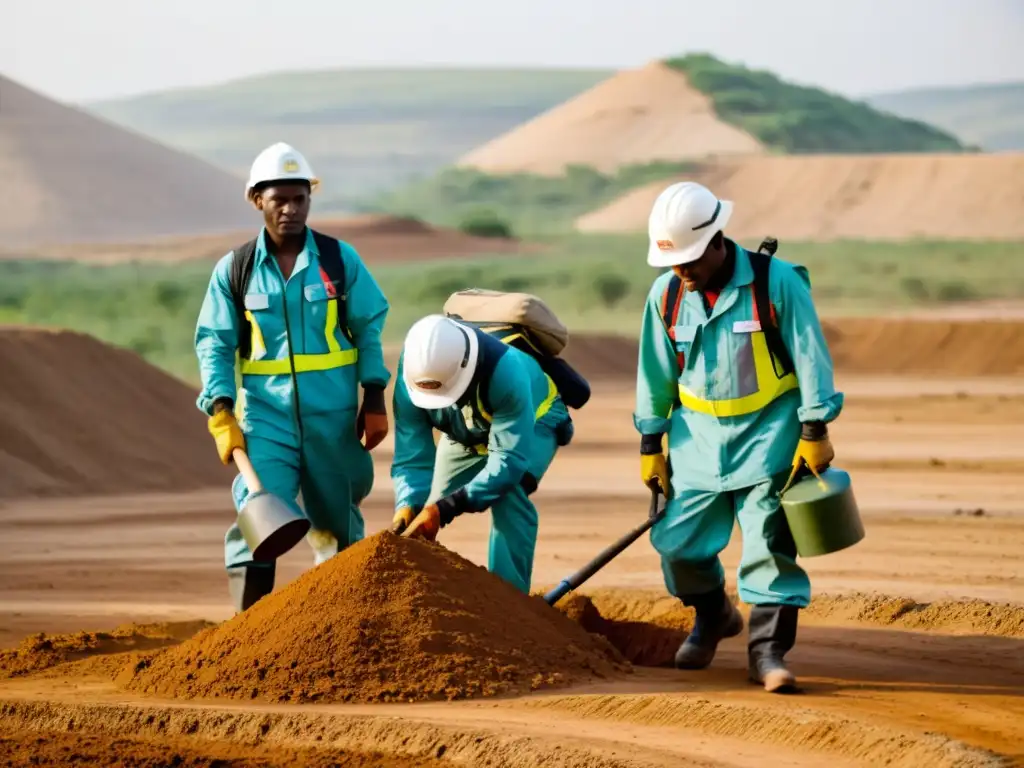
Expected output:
(938, 473)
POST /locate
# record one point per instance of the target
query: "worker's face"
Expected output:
(285, 208)
(697, 274)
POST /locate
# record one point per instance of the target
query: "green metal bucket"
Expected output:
(822, 513)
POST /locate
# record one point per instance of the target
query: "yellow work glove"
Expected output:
(654, 471)
(426, 525)
(814, 450)
(403, 517)
(227, 434)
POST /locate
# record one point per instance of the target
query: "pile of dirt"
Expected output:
(644, 641)
(827, 197)
(377, 238)
(40, 652)
(953, 616)
(882, 346)
(921, 346)
(78, 416)
(638, 116)
(82, 179)
(388, 619)
(53, 747)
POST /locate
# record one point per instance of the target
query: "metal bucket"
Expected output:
(269, 526)
(822, 513)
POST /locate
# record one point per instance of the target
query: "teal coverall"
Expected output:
(300, 434)
(488, 445)
(727, 468)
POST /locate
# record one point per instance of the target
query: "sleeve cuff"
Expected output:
(453, 505)
(813, 430)
(651, 444)
(373, 398)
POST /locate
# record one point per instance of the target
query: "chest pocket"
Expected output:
(264, 324)
(685, 341)
(323, 311)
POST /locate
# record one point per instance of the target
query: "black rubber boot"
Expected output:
(772, 635)
(249, 584)
(717, 619)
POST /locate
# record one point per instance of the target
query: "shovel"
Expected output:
(269, 526)
(606, 555)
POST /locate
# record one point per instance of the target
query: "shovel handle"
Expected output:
(252, 480)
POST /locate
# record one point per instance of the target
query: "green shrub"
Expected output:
(485, 223)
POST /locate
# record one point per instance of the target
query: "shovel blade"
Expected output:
(270, 527)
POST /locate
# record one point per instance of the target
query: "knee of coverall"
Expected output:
(337, 475)
(696, 527)
(768, 572)
(513, 539)
(277, 466)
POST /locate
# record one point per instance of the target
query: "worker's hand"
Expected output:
(654, 472)
(814, 450)
(426, 524)
(227, 434)
(372, 420)
(403, 517)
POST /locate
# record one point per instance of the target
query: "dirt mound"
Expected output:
(377, 238)
(388, 619)
(375, 224)
(879, 197)
(78, 416)
(53, 747)
(82, 179)
(39, 652)
(859, 345)
(637, 116)
(955, 616)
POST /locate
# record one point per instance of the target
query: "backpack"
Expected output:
(332, 272)
(761, 262)
(523, 321)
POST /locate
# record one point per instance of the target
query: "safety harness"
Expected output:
(250, 338)
(773, 365)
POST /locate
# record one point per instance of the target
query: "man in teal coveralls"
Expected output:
(737, 426)
(297, 413)
(502, 422)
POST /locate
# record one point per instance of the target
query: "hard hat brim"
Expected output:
(673, 258)
(447, 395)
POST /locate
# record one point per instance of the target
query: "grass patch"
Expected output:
(528, 203)
(797, 119)
(593, 282)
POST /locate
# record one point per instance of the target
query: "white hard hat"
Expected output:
(683, 220)
(439, 359)
(279, 162)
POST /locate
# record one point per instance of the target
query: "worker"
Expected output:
(743, 401)
(502, 422)
(306, 328)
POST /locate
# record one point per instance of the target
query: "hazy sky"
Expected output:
(106, 48)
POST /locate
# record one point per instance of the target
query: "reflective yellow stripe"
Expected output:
(303, 363)
(769, 386)
(257, 347)
(335, 358)
(543, 408)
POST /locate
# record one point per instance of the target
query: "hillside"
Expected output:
(364, 130)
(78, 178)
(795, 119)
(644, 115)
(825, 197)
(991, 116)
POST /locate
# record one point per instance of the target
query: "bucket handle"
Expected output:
(801, 464)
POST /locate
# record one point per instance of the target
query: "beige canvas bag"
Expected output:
(486, 307)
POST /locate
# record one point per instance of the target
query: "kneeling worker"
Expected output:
(502, 421)
(306, 326)
(734, 370)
